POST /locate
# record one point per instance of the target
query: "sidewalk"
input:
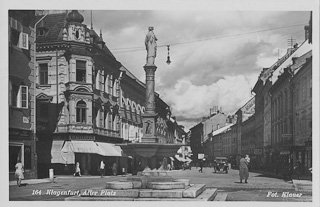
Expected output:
(30, 181)
(302, 185)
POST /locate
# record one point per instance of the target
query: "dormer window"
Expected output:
(42, 32)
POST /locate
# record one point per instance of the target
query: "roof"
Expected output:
(54, 23)
(222, 129)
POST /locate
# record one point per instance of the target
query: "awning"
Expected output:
(82, 147)
(107, 149)
(57, 156)
(101, 148)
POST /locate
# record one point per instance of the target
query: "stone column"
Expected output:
(149, 117)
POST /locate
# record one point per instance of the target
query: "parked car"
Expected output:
(222, 164)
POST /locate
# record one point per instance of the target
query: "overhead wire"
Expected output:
(135, 49)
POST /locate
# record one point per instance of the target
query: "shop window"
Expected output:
(43, 68)
(81, 112)
(81, 71)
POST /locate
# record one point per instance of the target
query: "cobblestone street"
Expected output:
(259, 187)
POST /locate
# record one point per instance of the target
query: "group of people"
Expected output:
(101, 169)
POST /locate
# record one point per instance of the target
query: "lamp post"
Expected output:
(34, 95)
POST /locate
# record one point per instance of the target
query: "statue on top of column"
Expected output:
(151, 46)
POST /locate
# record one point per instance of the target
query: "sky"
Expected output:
(216, 56)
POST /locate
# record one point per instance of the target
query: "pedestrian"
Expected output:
(19, 172)
(102, 165)
(215, 164)
(247, 158)
(77, 170)
(201, 166)
(114, 168)
(243, 170)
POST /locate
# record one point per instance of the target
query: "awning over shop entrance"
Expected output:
(58, 156)
(81, 147)
(107, 149)
(101, 148)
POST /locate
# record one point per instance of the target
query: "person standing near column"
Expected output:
(19, 172)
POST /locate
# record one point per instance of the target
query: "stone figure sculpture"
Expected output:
(151, 46)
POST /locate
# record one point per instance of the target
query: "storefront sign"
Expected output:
(257, 151)
(81, 137)
(19, 132)
(200, 156)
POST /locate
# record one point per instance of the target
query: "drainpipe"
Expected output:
(34, 95)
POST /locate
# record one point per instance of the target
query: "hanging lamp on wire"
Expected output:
(168, 58)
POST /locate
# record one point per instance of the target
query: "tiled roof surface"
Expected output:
(54, 23)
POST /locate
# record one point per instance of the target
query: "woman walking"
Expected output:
(19, 172)
(78, 171)
(243, 170)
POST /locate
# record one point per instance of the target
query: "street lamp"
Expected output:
(168, 58)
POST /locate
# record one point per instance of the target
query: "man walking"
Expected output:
(201, 166)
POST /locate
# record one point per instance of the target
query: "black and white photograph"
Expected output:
(137, 102)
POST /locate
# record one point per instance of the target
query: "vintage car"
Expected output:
(221, 164)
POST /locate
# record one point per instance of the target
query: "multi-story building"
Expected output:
(132, 93)
(248, 137)
(77, 96)
(302, 109)
(21, 124)
(196, 143)
(87, 101)
(201, 133)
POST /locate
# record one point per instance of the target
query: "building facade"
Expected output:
(22, 141)
(302, 109)
(77, 96)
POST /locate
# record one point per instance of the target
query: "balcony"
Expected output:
(106, 132)
(76, 128)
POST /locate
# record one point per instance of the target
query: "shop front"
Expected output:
(21, 147)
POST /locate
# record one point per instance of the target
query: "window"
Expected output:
(43, 68)
(42, 32)
(19, 96)
(81, 71)
(23, 97)
(81, 112)
(310, 82)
